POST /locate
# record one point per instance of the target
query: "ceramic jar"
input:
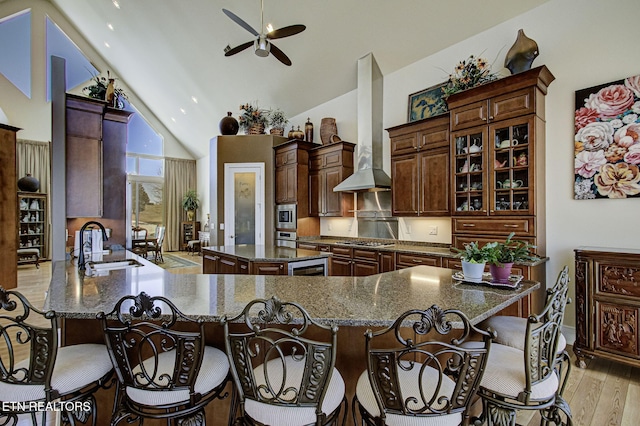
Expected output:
(229, 125)
(28, 183)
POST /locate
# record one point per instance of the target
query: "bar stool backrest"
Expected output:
(427, 351)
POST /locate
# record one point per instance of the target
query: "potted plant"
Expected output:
(474, 259)
(502, 255)
(190, 203)
(252, 119)
(278, 121)
(105, 88)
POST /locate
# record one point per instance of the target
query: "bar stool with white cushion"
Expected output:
(527, 379)
(282, 375)
(164, 368)
(66, 376)
(414, 381)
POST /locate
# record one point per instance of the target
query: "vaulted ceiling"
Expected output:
(170, 51)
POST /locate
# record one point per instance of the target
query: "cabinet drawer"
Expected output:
(617, 329)
(405, 144)
(504, 226)
(474, 114)
(514, 104)
(341, 251)
(307, 246)
(286, 157)
(410, 259)
(365, 254)
(460, 240)
(435, 138)
(618, 279)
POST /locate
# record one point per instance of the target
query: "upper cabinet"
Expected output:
(420, 167)
(292, 174)
(8, 209)
(328, 166)
(497, 157)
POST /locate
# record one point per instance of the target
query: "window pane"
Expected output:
(149, 167)
(147, 205)
(15, 50)
(132, 169)
(142, 139)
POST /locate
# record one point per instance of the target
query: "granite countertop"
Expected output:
(376, 300)
(267, 253)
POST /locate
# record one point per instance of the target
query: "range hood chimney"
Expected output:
(369, 175)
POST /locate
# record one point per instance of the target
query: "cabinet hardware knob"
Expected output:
(506, 225)
(491, 117)
(417, 261)
(468, 225)
(281, 266)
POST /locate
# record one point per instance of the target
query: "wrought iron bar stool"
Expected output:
(415, 381)
(164, 368)
(49, 378)
(511, 332)
(528, 378)
(283, 366)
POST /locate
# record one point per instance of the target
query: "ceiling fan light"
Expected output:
(262, 47)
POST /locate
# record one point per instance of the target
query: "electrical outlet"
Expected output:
(433, 230)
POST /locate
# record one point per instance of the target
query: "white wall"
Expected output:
(583, 44)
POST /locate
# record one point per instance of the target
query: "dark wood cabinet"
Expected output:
(607, 305)
(188, 232)
(292, 175)
(407, 260)
(269, 268)
(420, 168)
(8, 208)
(328, 166)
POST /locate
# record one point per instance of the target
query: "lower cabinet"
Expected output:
(607, 305)
(407, 260)
(269, 268)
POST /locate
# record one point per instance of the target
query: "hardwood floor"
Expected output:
(605, 393)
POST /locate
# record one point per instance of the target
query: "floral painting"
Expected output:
(607, 140)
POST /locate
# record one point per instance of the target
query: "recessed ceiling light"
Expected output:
(110, 26)
(194, 99)
(183, 111)
(107, 44)
(116, 4)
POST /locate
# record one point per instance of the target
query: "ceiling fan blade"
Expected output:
(235, 18)
(279, 54)
(286, 31)
(238, 49)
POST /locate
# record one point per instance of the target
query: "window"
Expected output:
(15, 50)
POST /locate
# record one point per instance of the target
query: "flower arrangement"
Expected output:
(98, 90)
(469, 73)
(278, 119)
(607, 140)
(252, 115)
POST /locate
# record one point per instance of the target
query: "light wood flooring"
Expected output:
(605, 393)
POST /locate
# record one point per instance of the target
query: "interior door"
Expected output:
(244, 213)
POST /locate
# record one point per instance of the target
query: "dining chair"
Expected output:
(155, 245)
(511, 332)
(139, 242)
(528, 379)
(283, 366)
(35, 372)
(163, 367)
(419, 372)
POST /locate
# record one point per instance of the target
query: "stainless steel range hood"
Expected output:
(369, 175)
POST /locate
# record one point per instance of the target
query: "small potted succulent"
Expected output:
(502, 255)
(474, 259)
(190, 203)
(278, 121)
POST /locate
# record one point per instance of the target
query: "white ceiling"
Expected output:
(167, 51)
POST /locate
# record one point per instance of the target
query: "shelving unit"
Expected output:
(32, 222)
(188, 231)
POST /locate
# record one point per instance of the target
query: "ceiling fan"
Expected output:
(262, 44)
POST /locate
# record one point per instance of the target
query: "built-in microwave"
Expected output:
(286, 216)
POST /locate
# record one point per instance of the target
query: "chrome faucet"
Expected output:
(81, 262)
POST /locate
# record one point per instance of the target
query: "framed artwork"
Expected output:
(607, 140)
(427, 103)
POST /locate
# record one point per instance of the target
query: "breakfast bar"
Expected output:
(354, 304)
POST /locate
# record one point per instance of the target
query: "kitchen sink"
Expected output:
(113, 265)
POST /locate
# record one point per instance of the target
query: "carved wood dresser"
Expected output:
(607, 304)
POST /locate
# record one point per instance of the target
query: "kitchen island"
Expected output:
(352, 303)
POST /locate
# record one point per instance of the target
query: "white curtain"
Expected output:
(179, 176)
(34, 157)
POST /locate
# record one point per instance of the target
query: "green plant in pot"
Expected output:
(278, 121)
(502, 255)
(474, 259)
(190, 203)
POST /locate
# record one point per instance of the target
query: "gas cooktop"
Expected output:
(364, 243)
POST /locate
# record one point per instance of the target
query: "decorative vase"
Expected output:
(28, 183)
(328, 128)
(521, 55)
(256, 129)
(298, 134)
(500, 273)
(291, 133)
(308, 131)
(110, 95)
(191, 214)
(473, 271)
(277, 131)
(229, 125)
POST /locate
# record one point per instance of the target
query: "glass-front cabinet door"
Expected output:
(470, 165)
(510, 167)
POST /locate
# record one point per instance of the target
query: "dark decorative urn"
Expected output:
(28, 183)
(229, 125)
